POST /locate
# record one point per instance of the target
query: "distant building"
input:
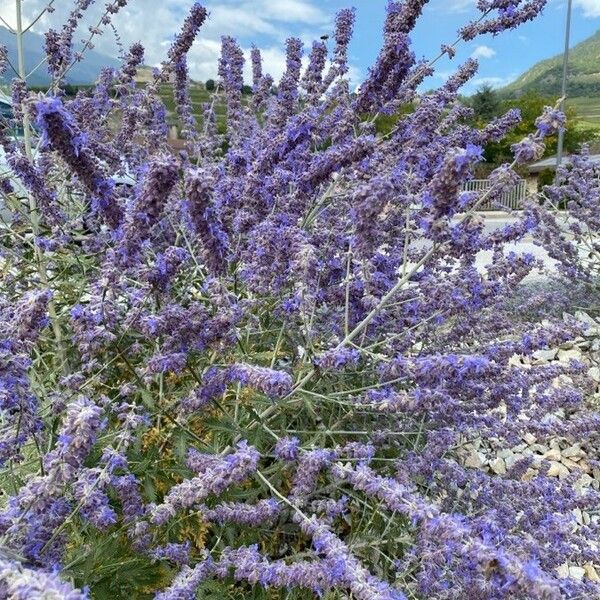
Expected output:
(5, 106)
(548, 165)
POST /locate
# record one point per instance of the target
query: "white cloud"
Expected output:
(590, 8)
(288, 11)
(453, 6)
(494, 82)
(483, 52)
(443, 75)
(265, 22)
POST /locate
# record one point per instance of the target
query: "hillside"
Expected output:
(84, 72)
(545, 76)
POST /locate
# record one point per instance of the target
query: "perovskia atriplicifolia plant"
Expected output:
(245, 369)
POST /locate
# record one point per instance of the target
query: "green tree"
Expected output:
(210, 85)
(531, 106)
(485, 103)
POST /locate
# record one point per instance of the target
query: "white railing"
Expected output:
(510, 199)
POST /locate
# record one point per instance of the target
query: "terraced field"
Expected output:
(588, 110)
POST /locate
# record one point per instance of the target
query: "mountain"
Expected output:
(545, 77)
(84, 72)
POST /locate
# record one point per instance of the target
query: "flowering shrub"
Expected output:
(249, 371)
(571, 236)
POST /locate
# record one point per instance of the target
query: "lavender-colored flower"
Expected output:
(184, 40)
(510, 15)
(18, 88)
(187, 582)
(231, 65)
(550, 121)
(287, 96)
(449, 50)
(528, 150)
(338, 358)
(131, 62)
(183, 102)
(287, 448)
(62, 134)
(270, 382)
(353, 575)
(214, 478)
(147, 206)
(199, 186)
(344, 28)
(264, 511)
(3, 59)
(261, 83)
(229, 272)
(312, 79)
(23, 583)
(175, 553)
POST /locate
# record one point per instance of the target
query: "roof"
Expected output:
(5, 99)
(550, 163)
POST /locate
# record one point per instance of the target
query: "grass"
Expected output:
(587, 109)
(199, 96)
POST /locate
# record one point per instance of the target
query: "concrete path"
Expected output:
(495, 220)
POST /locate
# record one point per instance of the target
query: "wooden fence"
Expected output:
(510, 199)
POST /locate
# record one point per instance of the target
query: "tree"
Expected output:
(485, 103)
(531, 106)
(210, 85)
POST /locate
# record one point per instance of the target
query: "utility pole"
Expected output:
(563, 90)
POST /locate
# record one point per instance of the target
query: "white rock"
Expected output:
(515, 360)
(561, 381)
(584, 466)
(538, 448)
(585, 481)
(542, 356)
(475, 460)
(590, 572)
(553, 454)
(529, 438)
(594, 373)
(573, 452)
(576, 573)
(568, 355)
(563, 571)
(558, 470)
(498, 466)
(570, 464)
(582, 316)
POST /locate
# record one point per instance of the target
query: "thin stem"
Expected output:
(32, 202)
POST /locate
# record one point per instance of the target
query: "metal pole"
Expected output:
(563, 90)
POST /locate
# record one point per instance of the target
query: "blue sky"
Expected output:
(501, 58)
(268, 22)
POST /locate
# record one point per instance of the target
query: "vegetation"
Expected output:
(545, 77)
(488, 103)
(267, 365)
